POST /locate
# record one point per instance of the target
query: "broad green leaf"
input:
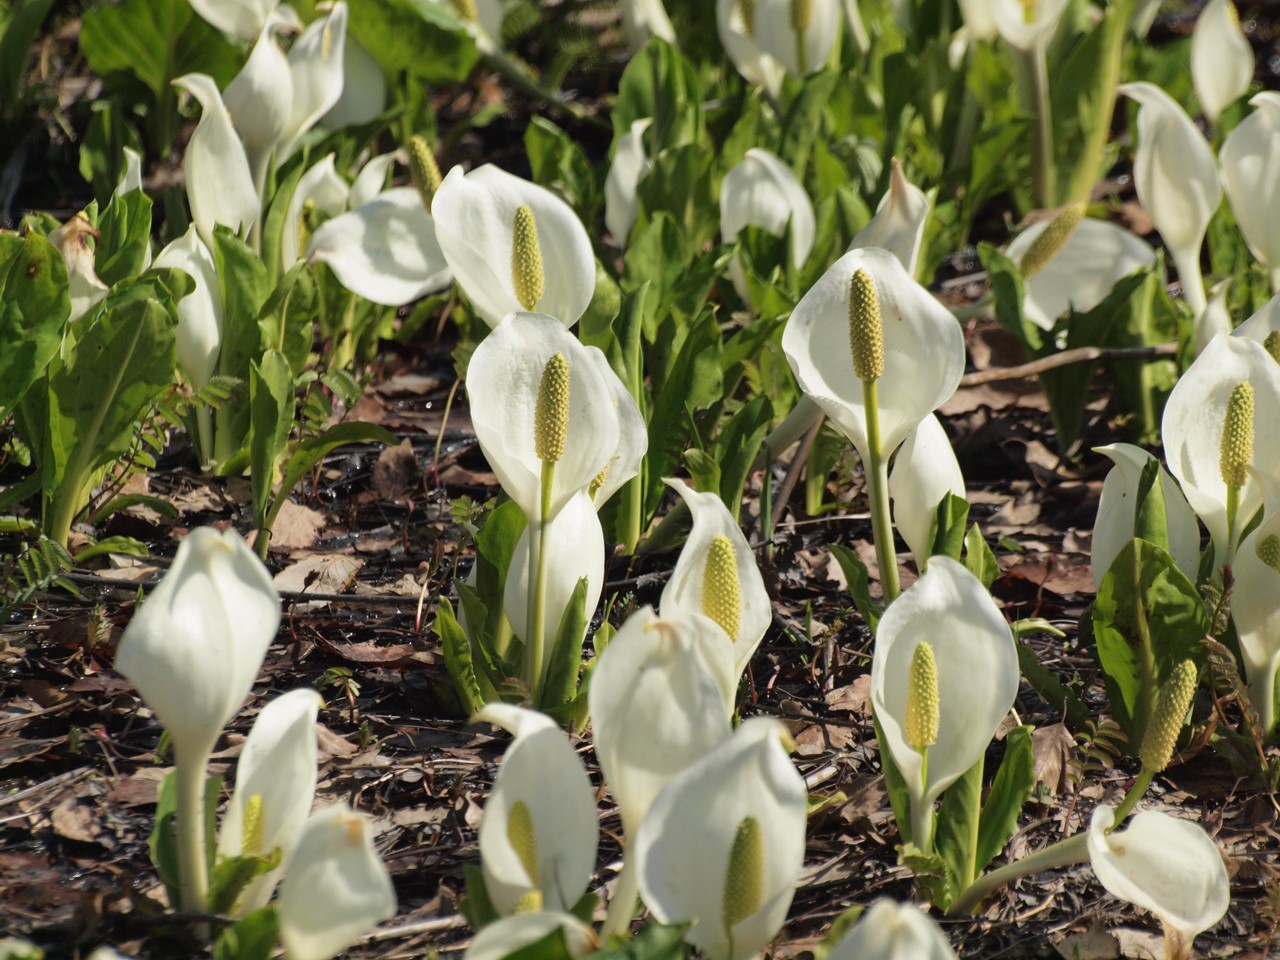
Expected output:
(423, 38)
(232, 874)
(859, 580)
(252, 938)
(659, 82)
(736, 450)
(949, 521)
(979, 559)
(286, 320)
(17, 35)
(475, 904)
(656, 941)
(243, 279)
(803, 120)
(703, 469)
(1013, 784)
(1150, 522)
(271, 406)
(566, 652)
(956, 829)
(124, 240)
(1007, 288)
(495, 545)
(34, 307)
(457, 658)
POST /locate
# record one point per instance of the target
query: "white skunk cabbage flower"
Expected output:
(337, 888)
(506, 935)
(1245, 158)
(1262, 323)
(633, 435)
(1221, 58)
(923, 350)
(761, 191)
(723, 844)
(199, 333)
(1167, 866)
(131, 179)
(84, 287)
(504, 383)
(1081, 272)
(642, 19)
(1216, 317)
(575, 549)
(243, 18)
(657, 705)
(630, 165)
(1256, 615)
(320, 188)
(315, 62)
(738, 37)
(539, 833)
(716, 576)
(475, 215)
(364, 90)
(220, 186)
(385, 250)
(925, 471)
(898, 225)
(1200, 451)
(194, 647)
(979, 20)
(1117, 509)
(950, 611)
(260, 98)
(893, 931)
(1177, 181)
(275, 787)
(798, 34)
(1026, 24)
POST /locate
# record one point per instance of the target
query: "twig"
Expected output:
(1066, 358)
(415, 927)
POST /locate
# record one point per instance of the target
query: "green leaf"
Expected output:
(475, 904)
(232, 874)
(859, 580)
(894, 785)
(34, 307)
(737, 448)
(495, 546)
(949, 521)
(310, 452)
(956, 829)
(163, 841)
(1150, 522)
(979, 558)
(19, 33)
(657, 941)
(803, 120)
(703, 469)
(458, 661)
(566, 651)
(659, 82)
(1008, 290)
(271, 406)
(124, 240)
(252, 938)
(1014, 782)
(423, 38)
(1046, 683)
(550, 947)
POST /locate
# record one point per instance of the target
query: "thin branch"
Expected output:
(1066, 358)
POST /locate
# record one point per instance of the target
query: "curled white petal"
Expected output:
(1246, 159)
(364, 90)
(220, 185)
(629, 167)
(316, 63)
(1221, 58)
(898, 225)
(893, 931)
(320, 188)
(506, 935)
(633, 433)
(642, 19)
(260, 97)
(924, 471)
(244, 18)
(751, 60)
(761, 191)
(1024, 25)
(199, 333)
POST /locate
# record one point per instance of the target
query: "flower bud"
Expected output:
(721, 591)
(744, 879)
(1052, 239)
(866, 328)
(1237, 436)
(424, 169)
(551, 414)
(923, 715)
(1166, 720)
(526, 258)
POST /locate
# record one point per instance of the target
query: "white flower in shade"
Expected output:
(1257, 616)
(315, 62)
(194, 647)
(761, 191)
(1167, 866)
(1221, 58)
(244, 18)
(950, 610)
(923, 349)
(657, 705)
(642, 19)
(364, 90)
(749, 57)
(220, 186)
(1216, 317)
(1177, 181)
(633, 435)
(504, 382)
(1117, 513)
(1247, 160)
(506, 935)
(893, 931)
(924, 471)
(1193, 426)
(898, 225)
(630, 165)
(131, 179)
(539, 833)
(337, 888)
(275, 786)
(1024, 24)
(1082, 272)
(319, 189)
(575, 549)
(260, 98)
(798, 34)
(475, 216)
(979, 20)
(199, 333)
(84, 287)
(723, 844)
(716, 575)
(385, 250)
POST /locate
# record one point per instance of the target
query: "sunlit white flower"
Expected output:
(220, 186)
(1257, 616)
(801, 47)
(893, 931)
(260, 98)
(506, 935)
(925, 471)
(642, 19)
(316, 63)
(752, 61)
(761, 191)
(1221, 58)
(199, 333)
(630, 165)
(898, 225)
(364, 90)
(979, 20)
(1247, 159)
(320, 189)
(1026, 23)
(244, 18)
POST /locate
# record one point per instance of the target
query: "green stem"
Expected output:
(877, 472)
(1233, 511)
(193, 864)
(1043, 171)
(1101, 102)
(1064, 853)
(622, 906)
(1140, 784)
(204, 435)
(922, 810)
(538, 591)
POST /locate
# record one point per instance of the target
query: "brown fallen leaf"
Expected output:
(296, 527)
(75, 821)
(395, 471)
(1052, 748)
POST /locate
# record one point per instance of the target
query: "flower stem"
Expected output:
(538, 592)
(1192, 280)
(1233, 510)
(1034, 80)
(190, 768)
(877, 472)
(1064, 853)
(622, 906)
(1140, 784)
(204, 435)
(922, 810)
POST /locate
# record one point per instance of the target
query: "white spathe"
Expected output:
(1164, 865)
(541, 775)
(260, 98)
(633, 433)
(752, 61)
(630, 165)
(642, 19)
(761, 191)
(898, 225)
(506, 935)
(277, 765)
(475, 217)
(364, 90)
(1247, 158)
(684, 845)
(1257, 616)
(194, 647)
(199, 333)
(220, 187)
(320, 188)
(316, 64)
(923, 350)
(385, 250)
(924, 471)
(893, 931)
(1117, 508)
(1216, 317)
(1024, 24)
(337, 888)
(774, 31)
(244, 18)
(1221, 58)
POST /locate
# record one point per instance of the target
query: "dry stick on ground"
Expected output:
(1066, 358)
